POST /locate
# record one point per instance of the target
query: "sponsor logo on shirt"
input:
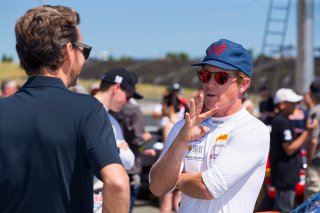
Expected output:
(222, 137)
(189, 147)
(195, 152)
(217, 122)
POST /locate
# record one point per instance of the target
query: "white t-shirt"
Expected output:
(232, 158)
(126, 156)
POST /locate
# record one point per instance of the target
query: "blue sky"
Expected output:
(150, 29)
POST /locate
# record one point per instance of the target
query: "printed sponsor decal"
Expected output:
(189, 147)
(217, 122)
(195, 152)
(222, 137)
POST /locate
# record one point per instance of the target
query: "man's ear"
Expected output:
(115, 88)
(245, 84)
(67, 57)
(68, 52)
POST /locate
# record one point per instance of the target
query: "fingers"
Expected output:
(192, 108)
(199, 104)
(187, 119)
(208, 114)
(204, 130)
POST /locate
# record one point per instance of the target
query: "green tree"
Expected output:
(6, 58)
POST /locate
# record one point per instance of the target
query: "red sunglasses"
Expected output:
(219, 77)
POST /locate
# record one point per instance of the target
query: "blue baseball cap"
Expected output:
(228, 55)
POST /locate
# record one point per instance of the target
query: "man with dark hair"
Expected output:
(53, 139)
(266, 106)
(313, 148)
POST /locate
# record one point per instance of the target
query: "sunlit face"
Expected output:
(77, 63)
(120, 98)
(226, 97)
(165, 109)
(287, 107)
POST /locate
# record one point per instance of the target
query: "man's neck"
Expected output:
(57, 74)
(103, 98)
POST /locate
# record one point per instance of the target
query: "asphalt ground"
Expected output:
(144, 206)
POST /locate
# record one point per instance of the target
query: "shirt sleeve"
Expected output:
(284, 130)
(97, 139)
(127, 158)
(244, 154)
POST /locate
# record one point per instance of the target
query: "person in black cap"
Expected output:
(217, 155)
(53, 140)
(116, 88)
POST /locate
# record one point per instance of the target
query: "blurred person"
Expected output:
(266, 105)
(131, 119)
(53, 139)
(308, 102)
(217, 156)
(284, 149)
(9, 87)
(176, 89)
(94, 88)
(117, 86)
(248, 104)
(299, 118)
(116, 90)
(197, 93)
(79, 89)
(170, 108)
(312, 185)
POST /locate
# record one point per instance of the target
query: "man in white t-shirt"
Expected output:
(216, 156)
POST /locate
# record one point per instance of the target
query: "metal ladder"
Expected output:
(276, 27)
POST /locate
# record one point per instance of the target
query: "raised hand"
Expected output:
(192, 129)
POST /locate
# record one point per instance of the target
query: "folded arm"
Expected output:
(192, 185)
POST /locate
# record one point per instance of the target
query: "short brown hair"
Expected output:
(41, 34)
(241, 77)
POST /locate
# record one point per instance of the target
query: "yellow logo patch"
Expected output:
(189, 147)
(222, 137)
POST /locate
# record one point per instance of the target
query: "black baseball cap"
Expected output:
(125, 78)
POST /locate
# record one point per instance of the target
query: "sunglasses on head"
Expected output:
(219, 77)
(86, 49)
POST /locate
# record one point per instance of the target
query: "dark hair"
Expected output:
(172, 100)
(315, 88)
(41, 35)
(104, 86)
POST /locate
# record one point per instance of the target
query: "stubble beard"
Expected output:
(75, 73)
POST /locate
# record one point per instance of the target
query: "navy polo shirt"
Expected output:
(51, 140)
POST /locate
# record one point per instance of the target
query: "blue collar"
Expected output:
(44, 81)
